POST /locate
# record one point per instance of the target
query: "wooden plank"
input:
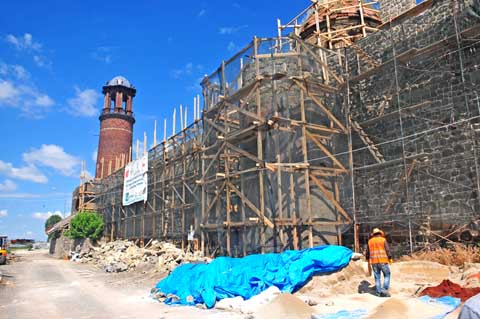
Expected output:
(325, 150)
(245, 153)
(266, 221)
(245, 112)
(322, 106)
(314, 56)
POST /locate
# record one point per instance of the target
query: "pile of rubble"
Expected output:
(124, 255)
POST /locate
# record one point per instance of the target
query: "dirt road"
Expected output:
(38, 286)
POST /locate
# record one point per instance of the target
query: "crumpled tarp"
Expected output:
(227, 277)
(450, 303)
(471, 308)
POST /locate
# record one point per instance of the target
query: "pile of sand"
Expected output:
(285, 306)
(395, 308)
(345, 281)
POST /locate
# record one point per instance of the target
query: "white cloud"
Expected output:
(231, 30)
(3, 213)
(24, 42)
(8, 92)
(20, 72)
(27, 44)
(8, 186)
(44, 100)
(28, 173)
(42, 61)
(31, 102)
(84, 103)
(55, 157)
(45, 215)
(14, 70)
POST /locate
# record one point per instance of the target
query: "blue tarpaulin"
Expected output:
(227, 277)
(450, 303)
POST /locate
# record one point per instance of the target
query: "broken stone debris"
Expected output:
(124, 255)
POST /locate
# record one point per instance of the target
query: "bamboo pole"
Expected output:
(181, 117)
(174, 120)
(165, 130)
(260, 150)
(155, 134)
(195, 109)
(199, 107)
(144, 143)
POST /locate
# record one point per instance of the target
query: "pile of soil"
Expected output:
(285, 306)
(345, 281)
(448, 288)
(395, 308)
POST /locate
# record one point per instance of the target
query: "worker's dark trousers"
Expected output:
(378, 269)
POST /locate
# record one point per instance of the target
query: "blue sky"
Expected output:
(55, 56)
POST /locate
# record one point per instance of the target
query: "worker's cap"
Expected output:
(377, 231)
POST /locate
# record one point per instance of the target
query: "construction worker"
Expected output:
(379, 258)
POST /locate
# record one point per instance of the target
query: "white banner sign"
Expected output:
(135, 182)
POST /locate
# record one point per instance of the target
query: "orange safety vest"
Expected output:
(378, 254)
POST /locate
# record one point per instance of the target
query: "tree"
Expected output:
(85, 225)
(52, 220)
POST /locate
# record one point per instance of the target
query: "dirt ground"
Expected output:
(39, 286)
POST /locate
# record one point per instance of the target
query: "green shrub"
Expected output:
(85, 225)
(52, 220)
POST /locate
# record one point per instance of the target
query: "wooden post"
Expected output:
(362, 18)
(145, 143)
(305, 158)
(174, 121)
(112, 230)
(279, 34)
(186, 118)
(154, 191)
(194, 109)
(260, 149)
(244, 233)
(184, 175)
(155, 134)
(199, 107)
(164, 130)
(181, 118)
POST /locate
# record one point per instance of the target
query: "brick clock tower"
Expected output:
(116, 126)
